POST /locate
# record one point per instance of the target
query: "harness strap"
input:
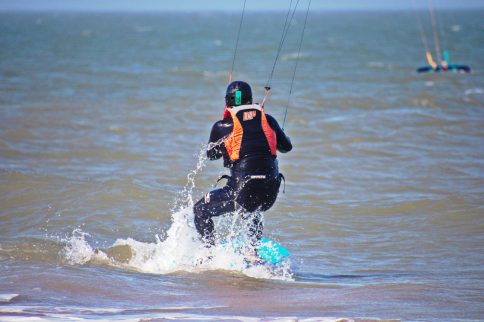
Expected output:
(282, 178)
(249, 177)
(225, 176)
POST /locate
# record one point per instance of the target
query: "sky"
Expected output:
(225, 5)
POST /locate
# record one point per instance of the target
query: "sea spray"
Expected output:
(185, 197)
(77, 250)
(181, 248)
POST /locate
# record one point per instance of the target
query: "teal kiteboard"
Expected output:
(268, 251)
(272, 252)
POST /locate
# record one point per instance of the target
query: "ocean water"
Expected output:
(104, 119)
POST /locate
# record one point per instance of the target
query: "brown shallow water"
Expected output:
(103, 118)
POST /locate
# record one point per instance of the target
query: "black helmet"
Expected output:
(238, 93)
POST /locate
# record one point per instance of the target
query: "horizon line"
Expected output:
(199, 10)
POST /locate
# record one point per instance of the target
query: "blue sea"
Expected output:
(104, 121)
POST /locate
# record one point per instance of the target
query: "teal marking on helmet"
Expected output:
(238, 98)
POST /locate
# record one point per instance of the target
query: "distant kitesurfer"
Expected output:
(247, 138)
(444, 67)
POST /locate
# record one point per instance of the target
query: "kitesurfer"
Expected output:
(444, 67)
(248, 140)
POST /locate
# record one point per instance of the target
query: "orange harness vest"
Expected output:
(233, 142)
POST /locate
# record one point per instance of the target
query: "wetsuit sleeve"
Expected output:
(283, 141)
(216, 146)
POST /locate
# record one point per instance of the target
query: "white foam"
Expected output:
(379, 64)
(127, 315)
(456, 28)
(182, 250)
(77, 250)
(474, 91)
(23, 319)
(293, 56)
(5, 298)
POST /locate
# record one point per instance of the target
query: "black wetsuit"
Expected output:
(254, 181)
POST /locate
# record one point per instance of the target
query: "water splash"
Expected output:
(181, 248)
(185, 198)
(77, 249)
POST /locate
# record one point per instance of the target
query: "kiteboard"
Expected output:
(268, 252)
(450, 67)
(271, 252)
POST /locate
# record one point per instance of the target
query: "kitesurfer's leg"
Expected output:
(255, 197)
(215, 203)
(256, 228)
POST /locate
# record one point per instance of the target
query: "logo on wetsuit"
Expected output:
(249, 115)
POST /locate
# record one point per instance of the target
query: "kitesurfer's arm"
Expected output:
(283, 141)
(215, 144)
